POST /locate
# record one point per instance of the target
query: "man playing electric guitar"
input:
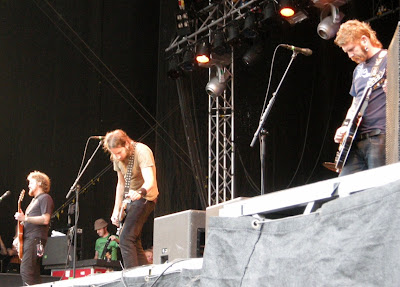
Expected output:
(134, 164)
(36, 226)
(359, 42)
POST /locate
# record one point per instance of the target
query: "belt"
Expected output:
(372, 133)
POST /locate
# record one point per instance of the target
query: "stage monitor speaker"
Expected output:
(179, 235)
(393, 100)
(56, 250)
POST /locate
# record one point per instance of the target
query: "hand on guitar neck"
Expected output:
(19, 240)
(118, 219)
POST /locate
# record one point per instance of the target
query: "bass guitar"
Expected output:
(354, 121)
(20, 229)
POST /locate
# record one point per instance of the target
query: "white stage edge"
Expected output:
(307, 194)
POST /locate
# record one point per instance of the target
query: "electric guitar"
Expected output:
(354, 122)
(103, 254)
(20, 247)
(122, 211)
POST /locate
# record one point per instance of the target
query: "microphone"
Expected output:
(7, 193)
(304, 51)
(100, 138)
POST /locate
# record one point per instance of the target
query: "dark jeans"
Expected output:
(366, 154)
(130, 242)
(30, 264)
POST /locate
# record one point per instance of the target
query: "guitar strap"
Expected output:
(374, 72)
(103, 254)
(129, 168)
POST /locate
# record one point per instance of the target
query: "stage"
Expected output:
(353, 239)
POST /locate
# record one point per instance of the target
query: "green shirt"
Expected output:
(101, 242)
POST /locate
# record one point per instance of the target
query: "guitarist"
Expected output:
(359, 42)
(105, 241)
(134, 163)
(36, 220)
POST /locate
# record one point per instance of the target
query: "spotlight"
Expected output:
(233, 33)
(203, 53)
(268, 12)
(286, 8)
(249, 30)
(252, 54)
(216, 86)
(329, 25)
(188, 61)
(218, 45)
(174, 71)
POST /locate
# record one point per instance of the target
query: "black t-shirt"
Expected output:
(42, 204)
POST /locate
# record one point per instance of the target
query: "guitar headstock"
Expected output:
(21, 196)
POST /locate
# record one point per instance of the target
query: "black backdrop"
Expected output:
(55, 94)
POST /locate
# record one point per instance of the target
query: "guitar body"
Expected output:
(354, 122)
(20, 228)
(122, 215)
(345, 145)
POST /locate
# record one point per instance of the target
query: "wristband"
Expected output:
(142, 191)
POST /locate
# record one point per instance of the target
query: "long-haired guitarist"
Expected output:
(362, 135)
(36, 220)
(135, 193)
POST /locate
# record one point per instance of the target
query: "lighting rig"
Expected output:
(206, 35)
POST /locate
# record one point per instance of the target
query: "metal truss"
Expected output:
(221, 151)
(210, 18)
(221, 144)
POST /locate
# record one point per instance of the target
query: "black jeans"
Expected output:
(30, 264)
(130, 243)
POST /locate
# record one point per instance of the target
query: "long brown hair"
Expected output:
(115, 139)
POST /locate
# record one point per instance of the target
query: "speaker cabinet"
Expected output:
(179, 235)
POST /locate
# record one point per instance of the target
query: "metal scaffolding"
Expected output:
(221, 143)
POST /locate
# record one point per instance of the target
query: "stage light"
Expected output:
(188, 61)
(174, 71)
(214, 87)
(329, 25)
(253, 54)
(249, 30)
(217, 85)
(218, 45)
(203, 53)
(269, 12)
(183, 25)
(233, 33)
(286, 8)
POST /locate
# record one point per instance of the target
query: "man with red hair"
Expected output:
(359, 42)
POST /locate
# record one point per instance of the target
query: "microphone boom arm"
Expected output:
(83, 170)
(271, 102)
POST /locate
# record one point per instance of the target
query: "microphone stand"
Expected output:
(260, 130)
(76, 187)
